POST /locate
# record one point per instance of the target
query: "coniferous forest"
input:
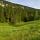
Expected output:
(11, 12)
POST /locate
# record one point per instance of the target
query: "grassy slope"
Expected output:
(24, 31)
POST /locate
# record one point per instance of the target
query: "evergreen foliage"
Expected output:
(13, 13)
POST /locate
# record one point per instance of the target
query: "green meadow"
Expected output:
(24, 31)
(18, 22)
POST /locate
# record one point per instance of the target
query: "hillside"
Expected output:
(19, 22)
(13, 13)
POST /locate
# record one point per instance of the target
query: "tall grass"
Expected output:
(23, 31)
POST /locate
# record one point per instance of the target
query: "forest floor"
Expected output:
(24, 31)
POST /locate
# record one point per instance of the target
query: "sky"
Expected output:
(30, 3)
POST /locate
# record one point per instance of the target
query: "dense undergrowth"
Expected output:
(24, 31)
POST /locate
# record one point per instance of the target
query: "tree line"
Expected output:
(17, 13)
